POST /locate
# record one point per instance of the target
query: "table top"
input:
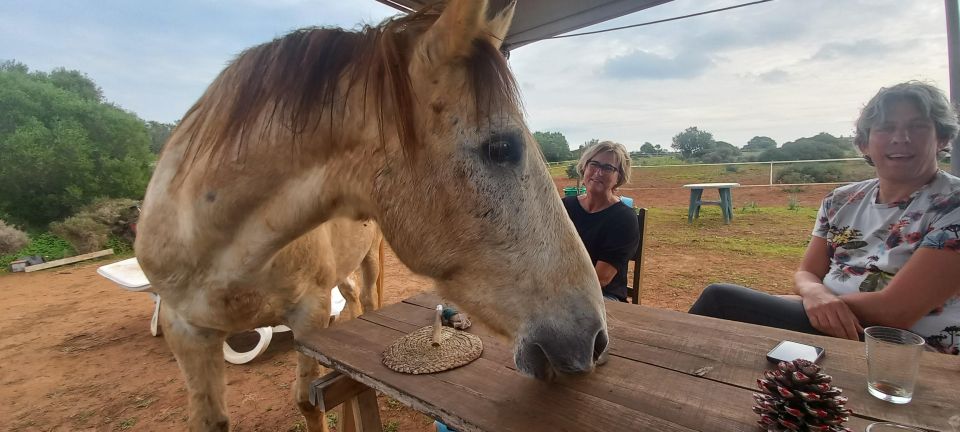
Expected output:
(668, 371)
(711, 185)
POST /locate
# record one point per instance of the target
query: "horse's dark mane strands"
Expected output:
(300, 78)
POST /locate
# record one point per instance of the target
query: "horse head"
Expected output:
(471, 204)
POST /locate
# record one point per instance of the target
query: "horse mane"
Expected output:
(298, 78)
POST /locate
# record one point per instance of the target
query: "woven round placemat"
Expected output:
(415, 353)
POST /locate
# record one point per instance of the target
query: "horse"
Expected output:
(415, 125)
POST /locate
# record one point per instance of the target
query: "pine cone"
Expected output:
(797, 397)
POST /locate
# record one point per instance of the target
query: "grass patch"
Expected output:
(298, 426)
(82, 417)
(658, 160)
(393, 403)
(391, 426)
(144, 401)
(127, 424)
(560, 170)
(48, 245)
(759, 232)
(750, 207)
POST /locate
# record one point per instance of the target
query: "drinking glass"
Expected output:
(893, 360)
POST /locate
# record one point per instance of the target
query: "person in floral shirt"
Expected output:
(884, 251)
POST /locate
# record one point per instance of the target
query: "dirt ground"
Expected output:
(76, 353)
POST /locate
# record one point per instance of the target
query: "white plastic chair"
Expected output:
(129, 276)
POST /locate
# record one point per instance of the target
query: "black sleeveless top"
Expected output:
(610, 235)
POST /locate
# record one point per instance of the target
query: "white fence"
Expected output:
(771, 165)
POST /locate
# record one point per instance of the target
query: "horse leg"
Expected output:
(308, 370)
(371, 268)
(348, 289)
(312, 314)
(199, 353)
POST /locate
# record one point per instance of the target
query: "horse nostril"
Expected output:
(600, 344)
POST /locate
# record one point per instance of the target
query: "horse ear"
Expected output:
(500, 24)
(452, 35)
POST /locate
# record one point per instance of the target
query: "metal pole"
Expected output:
(953, 54)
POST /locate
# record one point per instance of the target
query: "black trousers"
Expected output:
(737, 303)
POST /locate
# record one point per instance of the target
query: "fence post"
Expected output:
(771, 173)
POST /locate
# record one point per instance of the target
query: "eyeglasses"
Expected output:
(606, 168)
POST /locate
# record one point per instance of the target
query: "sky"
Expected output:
(785, 69)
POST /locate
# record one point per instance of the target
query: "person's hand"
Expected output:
(829, 314)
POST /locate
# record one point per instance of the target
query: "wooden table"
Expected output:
(696, 199)
(668, 371)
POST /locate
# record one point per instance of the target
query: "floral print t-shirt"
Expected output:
(869, 243)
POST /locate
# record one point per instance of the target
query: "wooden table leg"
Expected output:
(360, 410)
(361, 414)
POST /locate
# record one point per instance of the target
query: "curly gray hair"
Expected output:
(929, 100)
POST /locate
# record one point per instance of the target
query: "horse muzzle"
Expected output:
(548, 349)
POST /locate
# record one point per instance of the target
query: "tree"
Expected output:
(76, 83)
(760, 143)
(554, 146)
(579, 151)
(159, 132)
(720, 152)
(61, 146)
(692, 143)
(820, 146)
(649, 149)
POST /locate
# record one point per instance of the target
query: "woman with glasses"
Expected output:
(608, 227)
(884, 251)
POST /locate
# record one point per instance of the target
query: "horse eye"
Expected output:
(503, 150)
(499, 151)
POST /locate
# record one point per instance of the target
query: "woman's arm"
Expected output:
(827, 312)
(622, 237)
(925, 283)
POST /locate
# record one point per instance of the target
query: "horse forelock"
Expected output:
(493, 84)
(305, 78)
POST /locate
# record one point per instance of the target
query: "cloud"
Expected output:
(641, 64)
(783, 69)
(865, 48)
(774, 76)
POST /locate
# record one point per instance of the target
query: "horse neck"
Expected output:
(249, 210)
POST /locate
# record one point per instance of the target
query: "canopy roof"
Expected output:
(540, 19)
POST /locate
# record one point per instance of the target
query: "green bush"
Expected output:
(119, 245)
(62, 145)
(731, 168)
(810, 173)
(794, 177)
(93, 227)
(83, 232)
(11, 239)
(793, 203)
(572, 171)
(47, 245)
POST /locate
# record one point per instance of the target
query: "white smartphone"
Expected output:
(790, 351)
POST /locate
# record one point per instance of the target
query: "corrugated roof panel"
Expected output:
(540, 19)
